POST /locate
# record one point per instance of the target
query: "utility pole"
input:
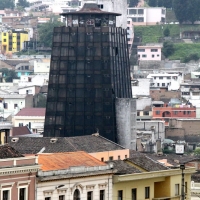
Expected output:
(182, 167)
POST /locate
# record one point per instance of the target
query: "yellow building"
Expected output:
(13, 41)
(141, 178)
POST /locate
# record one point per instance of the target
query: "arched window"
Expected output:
(77, 195)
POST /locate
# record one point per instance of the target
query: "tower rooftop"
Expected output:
(90, 8)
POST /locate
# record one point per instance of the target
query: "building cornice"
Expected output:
(150, 175)
(19, 170)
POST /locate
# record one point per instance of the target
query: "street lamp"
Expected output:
(182, 167)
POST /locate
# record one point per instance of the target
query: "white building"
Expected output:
(33, 117)
(147, 15)
(34, 89)
(141, 87)
(42, 66)
(130, 34)
(170, 80)
(31, 80)
(12, 103)
(83, 177)
(191, 92)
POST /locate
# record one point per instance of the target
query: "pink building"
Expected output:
(149, 52)
(17, 175)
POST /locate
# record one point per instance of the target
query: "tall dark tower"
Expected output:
(89, 70)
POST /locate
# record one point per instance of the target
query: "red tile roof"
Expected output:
(58, 161)
(32, 112)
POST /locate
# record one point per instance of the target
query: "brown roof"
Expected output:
(22, 130)
(32, 112)
(8, 152)
(58, 161)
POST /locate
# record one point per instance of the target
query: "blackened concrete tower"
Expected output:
(89, 70)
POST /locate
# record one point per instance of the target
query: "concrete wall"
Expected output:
(117, 6)
(126, 122)
(142, 102)
(157, 126)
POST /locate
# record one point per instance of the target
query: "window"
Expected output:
(120, 194)
(185, 187)
(157, 112)
(188, 112)
(168, 77)
(141, 50)
(15, 105)
(184, 112)
(154, 50)
(100, 6)
(89, 195)
(146, 113)
(125, 156)
(175, 112)
(6, 105)
(160, 77)
(6, 195)
(76, 195)
(134, 194)
(163, 84)
(102, 195)
(144, 55)
(140, 11)
(23, 194)
(111, 158)
(61, 197)
(118, 157)
(176, 189)
(154, 78)
(102, 159)
(152, 55)
(147, 192)
(158, 84)
(4, 40)
(47, 198)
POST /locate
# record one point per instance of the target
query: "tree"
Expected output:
(152, 3)
(168, 49)
(166, 32)
(160, 3)
(187, 10)
(9, 75)
(180, 10)
(197, 152)
(167, 3)
(6, 4)
(193, 10)
(23, 3)
(133, 3)
(46, 31)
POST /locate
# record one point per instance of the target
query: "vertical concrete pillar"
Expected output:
(126, 122)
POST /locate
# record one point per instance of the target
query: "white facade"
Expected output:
(141, 87)
(149, 52)
(130, 34)
(68, 186)
(191, 92)
(30, 80)
(147, 15)
(29, 90)
(42, 66)
(171, 81)
(36, 122)
(12, 103)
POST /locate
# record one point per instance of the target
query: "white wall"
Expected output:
(142, 88)
(31, 90)
(84, 185)
(41, 67)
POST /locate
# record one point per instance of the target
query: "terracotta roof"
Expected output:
(32, 112)
(58, 161)
(23, 130)
(87, 143)
(7, 151)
